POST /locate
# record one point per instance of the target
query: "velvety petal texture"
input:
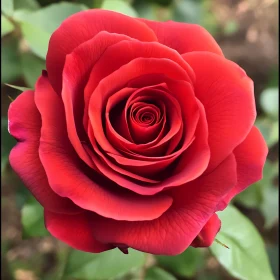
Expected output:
(75, 230)
(208, 233)
(184, 37)
(83, 26)
(25, 125)
(136, 134)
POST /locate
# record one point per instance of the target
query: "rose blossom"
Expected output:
(136, 135)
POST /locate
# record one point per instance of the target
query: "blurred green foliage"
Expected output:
(246, 258)
(26, 29)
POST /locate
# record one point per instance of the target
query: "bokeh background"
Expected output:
(247, 32)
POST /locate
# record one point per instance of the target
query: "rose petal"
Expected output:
(119, 170)
(130, 50)
(117, 80)
(174, 231)
(144, 132)
(195, 159)
(192, 168)
(75, 181)
(157, 146)
(83, 26)
(228, 98)
(75, 75)
(99, 98)
(25, 126)
(208, 233)
(74, 230)
(116, 125)
(184, 37)
(250, 156)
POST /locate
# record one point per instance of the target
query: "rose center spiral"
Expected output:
(145, 114)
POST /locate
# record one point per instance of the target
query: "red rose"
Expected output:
(137, 133)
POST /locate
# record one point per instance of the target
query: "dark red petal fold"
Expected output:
(25, 125)
(100, 196)
(184, 37)
(174, 231)
(83, 26)
(227, 95)
(74, 230)
(250, 156)
(208, 233)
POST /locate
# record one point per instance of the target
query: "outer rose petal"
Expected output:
(208, 232)
(94, 194)
(83, 26)
(174, 231)
(184, 37)
(75, 76)
(227, 95)
(75, 230)
(25, 126)
(250, 156)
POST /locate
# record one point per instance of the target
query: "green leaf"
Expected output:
(273, 253)
(156, 273)
(147, 10)
(208, 275)
(89, 3)
(269, 206)
(18, 88)
(30, 5)
(20, 15)
(38, 26)
(7, 143)
(269, 101)
(263, 195)
(22, 195)
(250, 197)
(119, 6)
(269, 130)
(185, 264)
(32, 67)
(6, 26)
(36, 38)
(187, 11)
(11, 69)
(247, 258)
(32, 219)
(7, 7)
(253, 196)
(106, 265)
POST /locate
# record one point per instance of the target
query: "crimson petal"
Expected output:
(25, 125)
(227, 95)
(174, 231)
(250, 157)
(82, 27)
(56, 153)
(208, 233)
(184, 37)
(74, 230)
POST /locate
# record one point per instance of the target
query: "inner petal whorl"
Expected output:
(144, 114)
